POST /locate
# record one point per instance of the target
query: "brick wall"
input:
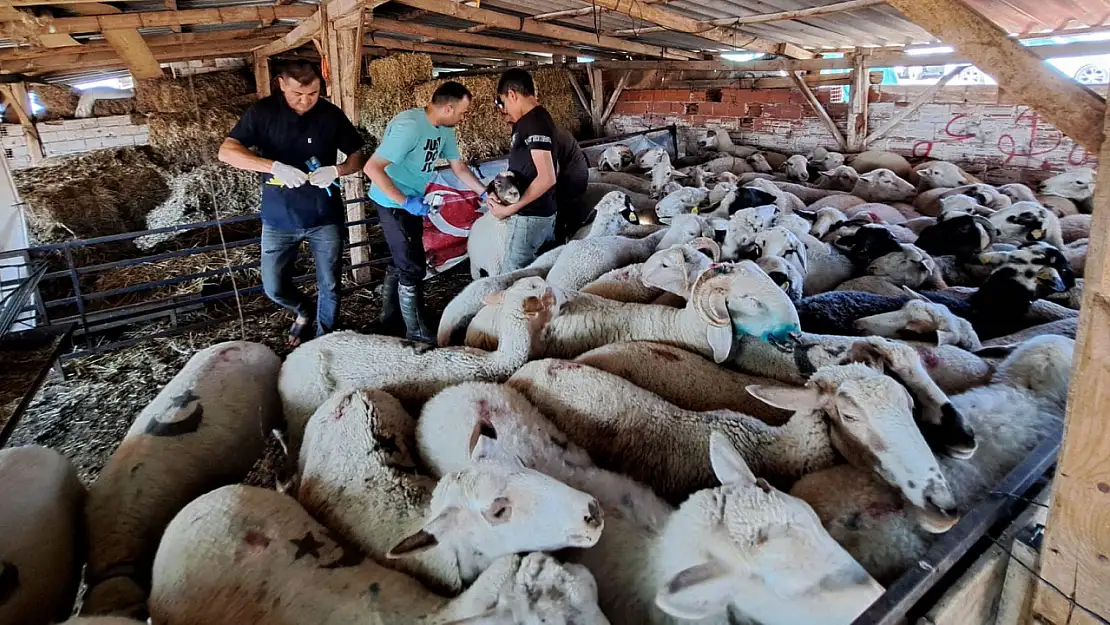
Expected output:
(973, 126)
(72, 136)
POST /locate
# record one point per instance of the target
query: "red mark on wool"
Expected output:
(664, 354)
(928, 357)
(879, 510)
(256, 538)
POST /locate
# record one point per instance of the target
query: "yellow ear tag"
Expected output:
(694, 211)
(1037, 234)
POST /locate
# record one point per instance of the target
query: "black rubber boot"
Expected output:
(390, 323)
(411, 299)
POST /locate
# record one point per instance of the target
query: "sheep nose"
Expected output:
(593, 517)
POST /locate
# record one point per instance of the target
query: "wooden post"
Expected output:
(857, 109)
(16, 96)
(597, 99)
(262, 79)
(1075, 556)
(815, 104)
(130, 47)
(617, 91)
(916, 104)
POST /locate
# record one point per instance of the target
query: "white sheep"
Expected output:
(1075, 227)
(1023, 406)
(743, 226)
(89, 98)
(486, 246)
(247, 555)
(634, 432)
(586, 260)
(719, 140)
(796, 168)
(615, 215)
(840, 202)
(841, 178)
(1018, 192)
(681, 201)
(806, 193)
(646, 535)
(1026, 222)
(883, 185)
(825, 160)
(777, 241)
(872, 160)
(204, 429)
(412, 372)
(1075, 184)
(662, 174)
(359, 477)
(785, 200)
(40, 550)
(651, 157)
(785, 274)
(616, 158)
(826, 266)
(624, 181)
(759, 163)
(939, 174)
(645, 282)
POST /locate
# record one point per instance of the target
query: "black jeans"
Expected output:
(404, 235)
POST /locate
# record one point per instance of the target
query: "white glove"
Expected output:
(323, 176)
(289, 176)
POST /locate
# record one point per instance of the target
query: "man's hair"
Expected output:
(450, 92)
(303, 72)
(517, 80)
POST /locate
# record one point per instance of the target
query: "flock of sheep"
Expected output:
(750, 399)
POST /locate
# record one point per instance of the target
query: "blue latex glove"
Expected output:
(415, 206)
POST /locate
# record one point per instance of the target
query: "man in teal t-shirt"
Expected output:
(399, 170)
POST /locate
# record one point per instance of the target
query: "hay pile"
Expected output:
(92, 194)
(400, 70)
(185, 141)
(176, 267)
(61, 103)
(192, 193)
(378, 105)
(183, 95)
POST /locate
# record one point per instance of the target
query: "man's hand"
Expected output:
(324, 176)
(289, 176)
(415, 206)
(499, 210)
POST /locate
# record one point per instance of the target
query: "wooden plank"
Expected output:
(617, 91)
(57, 41)
(406, 45)
(464, 37)
(300, 35)
(263, 80)
(579, 93)
(744, 82)
(338, 8)
(151, 19)
(347, 61)
(922, 98)
(109, 59)
(597, 99)
(16, 96)
(554, 15)
(1076, 110)
(815, 104)
(1076, 549)
(855, 139)
(542, 29)
(154, 42)
(130, 46)
(763, 18)
(171, 5)
(1016, 602)
(94, 8)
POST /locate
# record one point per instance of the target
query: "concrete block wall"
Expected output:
(73, 136)
(974, 126)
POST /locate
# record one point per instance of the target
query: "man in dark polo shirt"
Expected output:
(296, 136)
(549, 162)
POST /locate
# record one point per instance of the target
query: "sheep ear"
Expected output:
(912, 294)
(488, 450)
(794, 399)
(696, 592)
(482, 428)
(728, 465)
(494, 299)
(720, 341)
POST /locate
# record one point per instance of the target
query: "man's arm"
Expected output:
(353, 163)
(238, 156)
(545, 179)
(375, 171)
(466, 176)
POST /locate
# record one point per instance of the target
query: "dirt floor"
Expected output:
(87, 414)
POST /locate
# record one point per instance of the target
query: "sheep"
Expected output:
(1027, 222)
(683, 378)
(631, 431)
(462, 308)
(645, 282)
(927, 203)
(204, 429)
(732, 165)
(89, 98)
(297, 571)
(651, 157)
(725, 300)
(910, 267)
(1076, 253)
(40, 520)
(962, 236)
(827, 266)
(840, 178)
(596, 191)
(719, 191)
(358, 476)
(796, 168)
(646, 532)
(785, 200)
(825, 160)
(985, 194)
(872, 160)
(684, 200)
(806, 193)
(488, 240)
(939, 174)
(1023, 405)
(1062, 327)
(718, 139)
(883, 185)
(1017, 192)
(661, 174)
(1076, 184)
(733, 201)
(780, 242)
(411, 372)
(759, 163)
(824, 218)
(921, 316)
(876, 212)
(785, 274)
(743, 226)
(1075, 227)
(616, 158)
(626, 181)
(1061, 206)
(615, 215)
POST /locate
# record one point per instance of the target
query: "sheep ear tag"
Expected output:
(720, 341)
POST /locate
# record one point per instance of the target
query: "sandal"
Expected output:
(299, 332)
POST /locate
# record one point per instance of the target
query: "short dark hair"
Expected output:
(449, 93)
(303, 72)
(517, 80)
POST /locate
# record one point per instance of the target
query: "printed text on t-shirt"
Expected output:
(431, 153)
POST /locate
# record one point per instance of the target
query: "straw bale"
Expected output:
(181, 95)
(557, 96)
(192, 138)
(378, 105)
(400, 70)
(201, 194)
(92, 194)
(60, 102)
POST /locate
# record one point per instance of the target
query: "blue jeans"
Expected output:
(526, 235)
(279, 252)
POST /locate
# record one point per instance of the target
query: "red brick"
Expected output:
(631, 108)
(731, 109)
(755, 110)
(775, 96)
(697, 120)
(633, 95)
(697, 96)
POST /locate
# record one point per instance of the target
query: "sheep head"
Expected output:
(839, 178)
(784, 274)
(1017, 192)
(1028, 222)
(616, 158)
(780, 242)
(743, 226)
(921, 316)
(759, 163)
(1076, 184)
(505, 186)
(910, 266)
(531, 299)
(497, 507)
(651, 157)
(661, 174)
(871, 423)
(746, 545)
(676, 268)
(796, 168)
(736, 299)
(984, 194)
(940, 174)
(883, 185)
(1039, 268)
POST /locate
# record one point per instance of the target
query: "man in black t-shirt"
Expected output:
(296, 135)
(549, 163)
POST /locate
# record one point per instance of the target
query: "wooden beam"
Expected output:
(815, 104)
(16, 96)
(1076, 547)
(855, 140)
(748, 82)
(171, 5)
(391, 43)
(152, 19)
(554, 15)
(579, 93)
(154, 42)
(447, 34)
(1076, 110)
(110, 59)
(130, 47)
(597, 99)
(338, 8)
(617, 91)
(57, 41)
(763, 18)
(94, 8)
(263, 80)
(922, 98)
(300, 35)
(532, 27)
